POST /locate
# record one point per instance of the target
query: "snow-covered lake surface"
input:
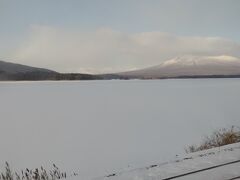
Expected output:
(98, 127)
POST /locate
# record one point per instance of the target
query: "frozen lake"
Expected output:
(96, 127)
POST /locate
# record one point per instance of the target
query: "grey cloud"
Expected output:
(106, 50)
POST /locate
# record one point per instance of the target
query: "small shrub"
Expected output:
(219, 138)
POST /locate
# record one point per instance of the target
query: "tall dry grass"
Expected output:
(33, 174)
(219, 138)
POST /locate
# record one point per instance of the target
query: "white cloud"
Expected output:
(106, 50)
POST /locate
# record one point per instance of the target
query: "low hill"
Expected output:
(17, 72)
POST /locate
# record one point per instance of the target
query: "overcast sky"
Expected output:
(114, 35)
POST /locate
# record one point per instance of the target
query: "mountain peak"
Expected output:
(191, 60)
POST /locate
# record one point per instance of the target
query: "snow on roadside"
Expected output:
(192, 162)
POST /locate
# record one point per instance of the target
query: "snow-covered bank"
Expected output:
(221, 163)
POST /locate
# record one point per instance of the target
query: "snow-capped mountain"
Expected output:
(190, 66)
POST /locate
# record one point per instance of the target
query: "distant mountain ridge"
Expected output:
(17, 72)
(179, 67)
(190, 66)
